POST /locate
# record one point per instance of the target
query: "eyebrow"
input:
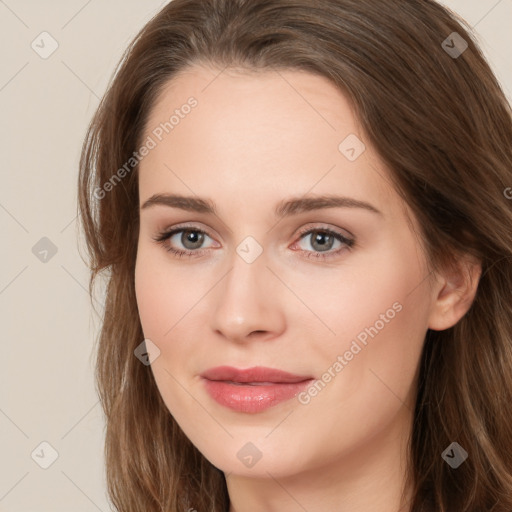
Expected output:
(284, 208)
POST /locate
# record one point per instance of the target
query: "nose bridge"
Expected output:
(244, 299)
(245, 282)
(248, 267)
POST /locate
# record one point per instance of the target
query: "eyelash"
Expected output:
(162, 237)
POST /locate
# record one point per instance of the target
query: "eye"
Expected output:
(322, 240)
(191, 239)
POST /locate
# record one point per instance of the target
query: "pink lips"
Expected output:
(254, 389)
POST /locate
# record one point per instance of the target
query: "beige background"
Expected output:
(47, 389)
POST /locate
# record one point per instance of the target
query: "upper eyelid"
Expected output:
(336, 230)
(300, 232)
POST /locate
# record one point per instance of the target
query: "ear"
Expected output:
(454, 292)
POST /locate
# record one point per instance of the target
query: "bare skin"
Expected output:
(252, 141)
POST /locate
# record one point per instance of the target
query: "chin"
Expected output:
(256, 459)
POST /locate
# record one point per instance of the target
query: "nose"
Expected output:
(248, 302)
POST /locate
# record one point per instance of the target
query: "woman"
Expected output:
(303, 211)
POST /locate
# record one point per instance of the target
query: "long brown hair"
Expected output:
(441, 123)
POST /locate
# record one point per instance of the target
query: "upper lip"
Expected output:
(254, 374)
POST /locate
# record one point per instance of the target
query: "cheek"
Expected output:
(379, 313)
(379, 359)
(159, 312)
(165, 294)
(169, 303)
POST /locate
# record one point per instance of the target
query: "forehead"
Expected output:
(258, 134)
(264, 100)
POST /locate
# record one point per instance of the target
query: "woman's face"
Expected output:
(299, 257)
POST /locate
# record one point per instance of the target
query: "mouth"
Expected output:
(251, 383)
(254, 389)
(254, 375)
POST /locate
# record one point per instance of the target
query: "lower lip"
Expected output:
(253, 398)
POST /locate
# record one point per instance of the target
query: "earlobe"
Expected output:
(454, 293)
